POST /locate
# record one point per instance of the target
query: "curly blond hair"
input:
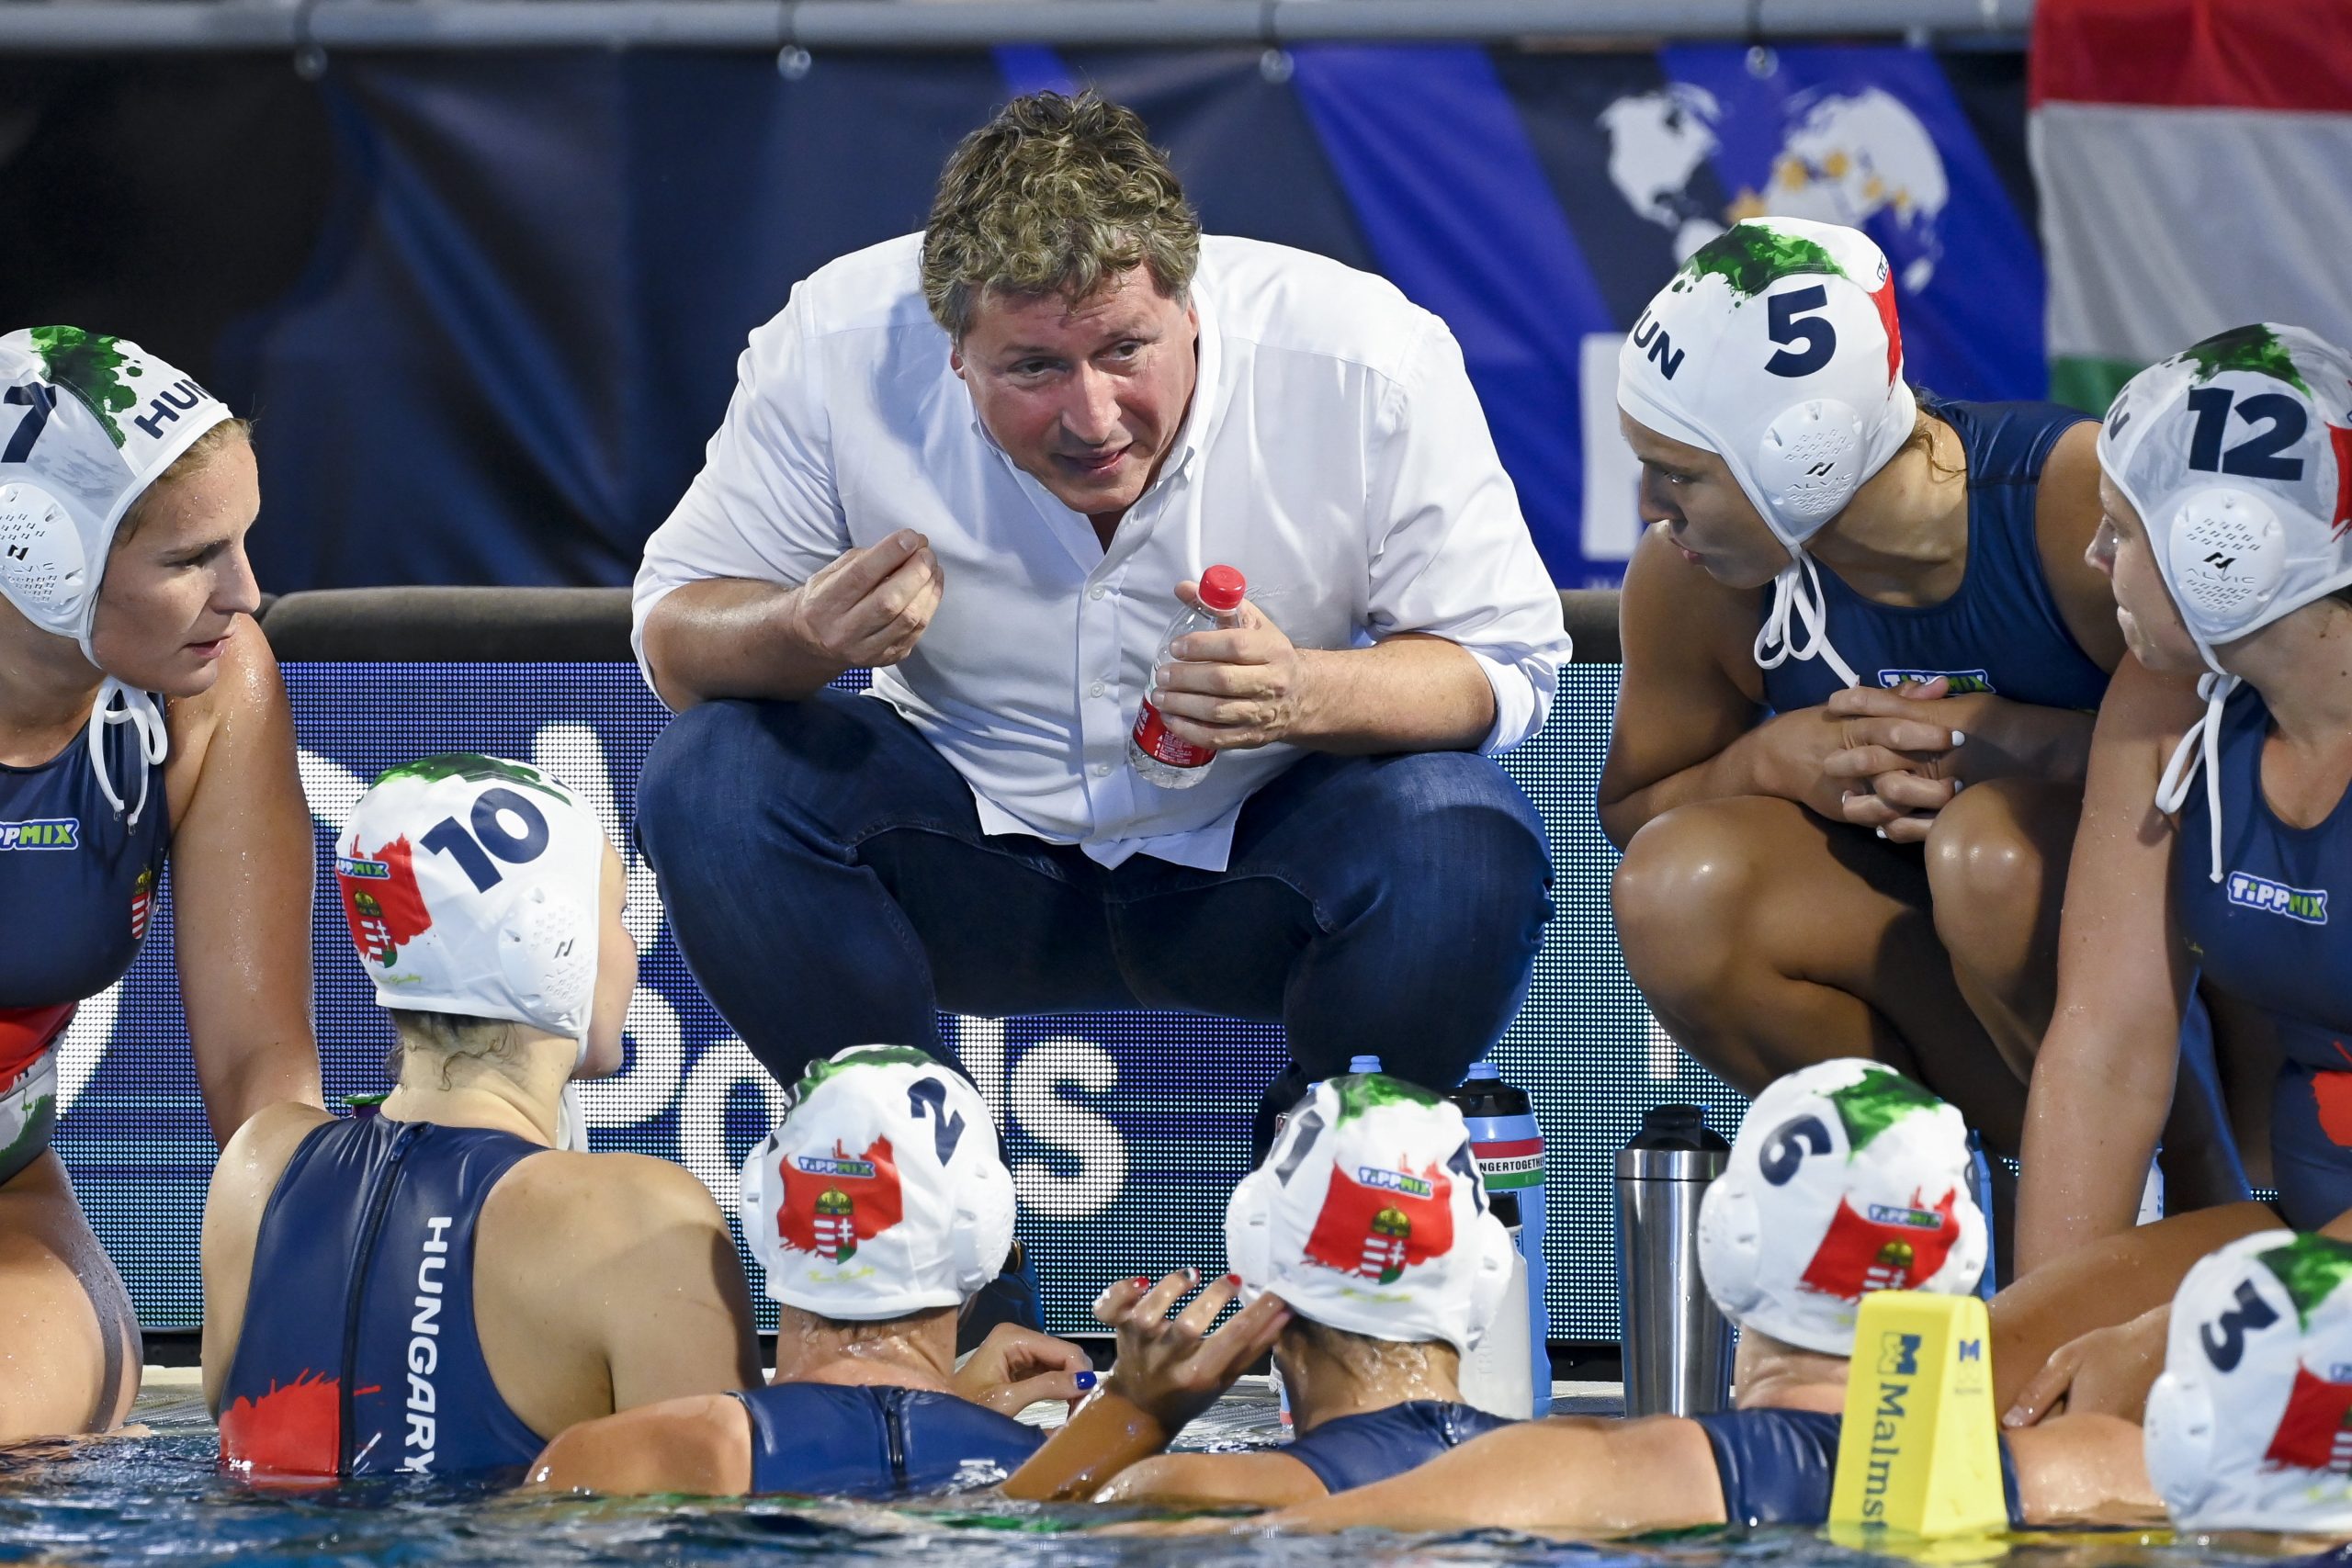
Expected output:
(1055, 196)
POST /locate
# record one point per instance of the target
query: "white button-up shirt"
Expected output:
(1334, 453)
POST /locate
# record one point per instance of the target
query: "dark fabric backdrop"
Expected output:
(487, 308)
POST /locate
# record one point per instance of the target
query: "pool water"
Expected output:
(157, 1499)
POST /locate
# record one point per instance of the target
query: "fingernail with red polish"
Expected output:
(1233, 1279)
(1142, 1283)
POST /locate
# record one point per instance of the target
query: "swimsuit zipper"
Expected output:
(894, 1422)
(377, 1201)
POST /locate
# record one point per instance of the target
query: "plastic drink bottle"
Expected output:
(1162, 756)
(1508, 1145)
(1499, 1376)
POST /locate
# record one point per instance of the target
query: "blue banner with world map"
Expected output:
(488, 307)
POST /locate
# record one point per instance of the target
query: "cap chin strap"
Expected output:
(1797, 591)
(137, 709)
(2201, 745)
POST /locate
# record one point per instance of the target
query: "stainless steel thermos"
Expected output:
(1678, 1348)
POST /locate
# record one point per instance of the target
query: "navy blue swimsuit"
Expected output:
(2267, 934)
(1778, 1466)
(76, 883)
(1348, 1452)
(358, 1355)
(2000, 631)
(872, 1441)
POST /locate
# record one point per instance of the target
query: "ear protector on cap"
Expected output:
(2250, 1427)
(1777, 348)
(471, 886)
(1368, 1215)
(1846, 1177)
(2237, 455)
(881, 1193)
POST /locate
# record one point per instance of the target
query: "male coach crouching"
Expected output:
(1136, 405)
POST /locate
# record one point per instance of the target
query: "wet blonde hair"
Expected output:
(1055, 196)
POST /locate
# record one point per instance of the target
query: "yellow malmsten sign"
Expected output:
(1917, 1452)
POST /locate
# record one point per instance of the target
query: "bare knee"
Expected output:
(1988, 871)
(1686, 881)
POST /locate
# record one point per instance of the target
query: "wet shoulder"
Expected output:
(247, 689)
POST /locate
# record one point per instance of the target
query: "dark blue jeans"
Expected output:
(829, 883)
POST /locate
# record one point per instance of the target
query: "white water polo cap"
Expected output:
(1368, 1216)
(471, 886)
(1846, 1177)
(2237, 455)
(86, 423)
(882, 1191)
(2250, 1427)
(1777, 348)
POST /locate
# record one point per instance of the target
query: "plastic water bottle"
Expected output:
(1499, 1377)
(1508, 1145)
(1162, 756)
(1678, 1345)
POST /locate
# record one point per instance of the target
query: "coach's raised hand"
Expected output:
(868, 607)
(725, 636)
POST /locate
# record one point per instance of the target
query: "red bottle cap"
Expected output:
(1221, 588)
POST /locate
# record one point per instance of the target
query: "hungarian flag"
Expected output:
(834, 1201)
(1379, 1226)
(2312, 1432)
(1886, 1248)
(381, 902)
(2195, 164)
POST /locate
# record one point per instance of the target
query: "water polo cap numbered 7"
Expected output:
(86, 423)
(1846, 1177)
(882, 1191)
(471, 886)
(1368, 1215)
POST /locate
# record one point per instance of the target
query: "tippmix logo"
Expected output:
(2307, 905)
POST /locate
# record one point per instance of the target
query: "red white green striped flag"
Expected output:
(2195, 163)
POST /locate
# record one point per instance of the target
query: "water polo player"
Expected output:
(1369, 1259)
(1877, 1198)
(434, 1289)
(879, 1207)
(2216, 838)
(141, 720)
(1851, 600)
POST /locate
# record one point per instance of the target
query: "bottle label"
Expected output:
(1511, 1163)
(1155, 740)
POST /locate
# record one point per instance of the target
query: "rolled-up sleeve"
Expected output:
(1451, 554)
(764, 506)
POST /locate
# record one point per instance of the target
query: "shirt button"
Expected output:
(1095, 690)
(1102, 770)
(1095, 592)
